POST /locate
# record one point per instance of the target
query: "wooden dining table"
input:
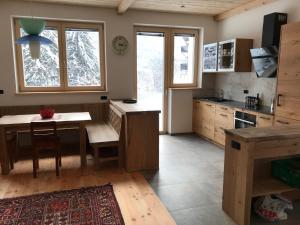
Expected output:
(15, 123)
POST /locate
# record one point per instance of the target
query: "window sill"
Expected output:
(60, 92)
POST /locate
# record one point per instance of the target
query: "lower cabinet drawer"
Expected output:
(223, 121)
(219, 135)
(281, 121)
(264, 120)
(224, 109)
(207, 130)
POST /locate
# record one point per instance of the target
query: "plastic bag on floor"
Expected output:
(273, 208)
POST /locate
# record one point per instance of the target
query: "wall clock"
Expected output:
(120, 45)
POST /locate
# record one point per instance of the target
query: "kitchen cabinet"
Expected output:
(204, 118)
(247, 168)
(263, 120)
(141, 136)
(224, 119)
(234, 55)
(210, 120)
(210, 57)
(288, 83)
(228, 56)
(207, 119)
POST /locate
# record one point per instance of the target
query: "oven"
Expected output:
(244, 120)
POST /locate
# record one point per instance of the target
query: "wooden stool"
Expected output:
(44, 137)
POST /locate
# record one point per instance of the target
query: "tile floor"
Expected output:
(190, 181)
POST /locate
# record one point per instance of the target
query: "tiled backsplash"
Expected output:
(234, 85)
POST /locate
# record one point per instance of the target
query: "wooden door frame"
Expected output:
(167, 49)
(194, 32)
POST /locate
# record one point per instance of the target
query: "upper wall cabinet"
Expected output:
(210, 57)
(232, 56)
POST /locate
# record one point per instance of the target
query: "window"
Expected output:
(181, 57)
(45, 71)
(185, 51)
(74, 63)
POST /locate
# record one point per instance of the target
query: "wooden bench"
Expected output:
(108, 134)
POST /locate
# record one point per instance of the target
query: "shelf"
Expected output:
(226, 56)
(269, 186)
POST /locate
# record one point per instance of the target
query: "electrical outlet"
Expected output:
(246, 91)
(1, 92)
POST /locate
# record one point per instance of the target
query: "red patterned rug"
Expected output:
(88, 206)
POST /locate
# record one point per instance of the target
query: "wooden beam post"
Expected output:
(124, 5)
(242, 8)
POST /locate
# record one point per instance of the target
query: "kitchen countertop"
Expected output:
(240, 105)
(133, 108)
(265, 133)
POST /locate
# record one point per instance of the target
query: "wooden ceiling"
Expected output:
(221, 9)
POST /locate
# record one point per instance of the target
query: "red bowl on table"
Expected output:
(47, 113)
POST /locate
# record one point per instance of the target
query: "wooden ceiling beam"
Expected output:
(242, 8)
(124, 5)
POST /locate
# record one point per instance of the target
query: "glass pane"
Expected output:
(150, 71)
(83, 57)
(226, 55)
(184, 59)
(210, 57)
(42, 72)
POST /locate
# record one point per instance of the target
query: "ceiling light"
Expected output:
(33, 27)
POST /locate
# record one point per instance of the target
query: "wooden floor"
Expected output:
(138, 202)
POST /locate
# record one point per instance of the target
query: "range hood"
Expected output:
(265, 59)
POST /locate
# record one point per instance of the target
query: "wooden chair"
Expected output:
(102, 135)
(44, 137)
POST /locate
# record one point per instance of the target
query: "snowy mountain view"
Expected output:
(83, 60)
(83, 57)
(43, 72)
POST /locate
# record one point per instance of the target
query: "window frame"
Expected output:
(61, 28)
(195, 33)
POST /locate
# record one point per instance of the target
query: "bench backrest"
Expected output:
(98, 111)
(115, 118)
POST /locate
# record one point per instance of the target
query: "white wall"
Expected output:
(119, 68)
(249, 25)
(180, 111)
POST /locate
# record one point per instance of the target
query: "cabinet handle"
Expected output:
(224, 108)
(278, 99)
(265, 118)
(282, 122)
(209, 105)
(223, 115)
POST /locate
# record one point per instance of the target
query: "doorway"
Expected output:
(151, 73)
(165, 58)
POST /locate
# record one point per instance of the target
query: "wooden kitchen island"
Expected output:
(247, 171)
(141, 136)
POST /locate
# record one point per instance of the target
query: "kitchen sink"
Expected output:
(215, 99)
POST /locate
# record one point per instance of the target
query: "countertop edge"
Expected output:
(275, 133)
(114, 103)
(238, 107)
